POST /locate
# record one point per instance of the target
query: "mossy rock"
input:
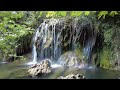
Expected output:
(79, 53)
(70, 58)
(105, 59)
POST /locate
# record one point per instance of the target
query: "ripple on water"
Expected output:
(3, 62)
(31, 63)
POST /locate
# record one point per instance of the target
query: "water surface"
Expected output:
(17, 70)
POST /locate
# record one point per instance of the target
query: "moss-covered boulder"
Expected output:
(70, 59)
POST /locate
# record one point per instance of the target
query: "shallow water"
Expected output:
(16, 71)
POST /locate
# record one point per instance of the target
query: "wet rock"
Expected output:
(70, 59)
(40, 69)
(72, 76)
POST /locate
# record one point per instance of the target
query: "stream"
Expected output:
(15, 70)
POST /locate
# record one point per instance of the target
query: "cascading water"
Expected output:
(34, 55)
(55, 36)
(34, 52)
(88, 48)
(47, 41)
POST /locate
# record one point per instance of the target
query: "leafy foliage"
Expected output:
(104, 13)
(10, 30)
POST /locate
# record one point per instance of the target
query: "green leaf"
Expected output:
(76, 13)
(50, 14)
(87, 13)
(102, 13)
(40, 13)
(11, 26)
(73, 13)
(63, 13)
(5, 18)
(113, 13)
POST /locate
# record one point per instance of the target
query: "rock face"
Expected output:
(70, 59)
(72, 76)
(40, 69)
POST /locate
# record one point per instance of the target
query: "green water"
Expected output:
(8, 69)
(17, 70)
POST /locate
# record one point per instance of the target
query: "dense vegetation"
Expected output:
(18, 27)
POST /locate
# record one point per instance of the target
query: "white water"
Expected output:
(56, 65)
(49, 41)
(31, 63)
(35, 54)
(2, 62)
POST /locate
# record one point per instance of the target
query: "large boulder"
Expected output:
(72, 76)
(40, 69)
(70, 59)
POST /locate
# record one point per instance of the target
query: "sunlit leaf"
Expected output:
(50, 14)
(87, 13)
(102, 13)
(73, 13)
(11, 26)
(113, 13)
(76, 13)
(63, 13)
(40, 13)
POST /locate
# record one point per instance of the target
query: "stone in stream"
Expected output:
(40, 69)
(72, 76)
(70, 59)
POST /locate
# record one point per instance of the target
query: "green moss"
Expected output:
(105, 59)
(79, 53)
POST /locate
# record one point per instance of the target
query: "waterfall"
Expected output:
(55, 36)
(34, 54)
(47, 41)
(87, 50)
(34, 47)
(34, 51)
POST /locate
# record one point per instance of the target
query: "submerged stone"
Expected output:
(72, 76)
